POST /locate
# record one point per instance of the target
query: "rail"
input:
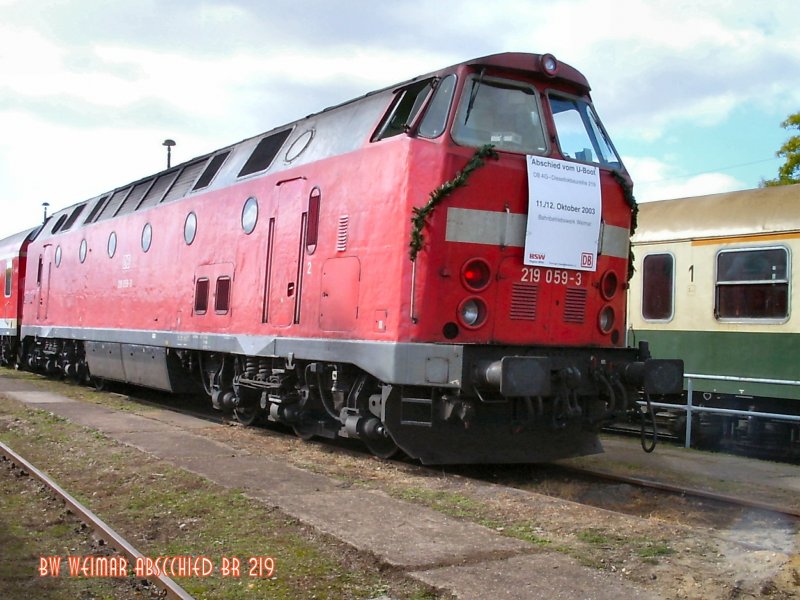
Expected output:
(690, 408)
(172, 589)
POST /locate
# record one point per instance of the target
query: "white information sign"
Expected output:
(564, 214)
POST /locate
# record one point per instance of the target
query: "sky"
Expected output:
(692, 93)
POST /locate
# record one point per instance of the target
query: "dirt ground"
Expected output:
(749, 555)
(752, 556)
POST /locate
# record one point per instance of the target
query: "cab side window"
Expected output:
(406, 106)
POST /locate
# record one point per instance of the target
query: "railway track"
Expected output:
(103, 530)
(685, 491)
(516, 475)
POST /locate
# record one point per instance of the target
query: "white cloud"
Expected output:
(88, 93)
(655, 179)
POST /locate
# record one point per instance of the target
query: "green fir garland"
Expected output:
(421, 213)
(627, 190)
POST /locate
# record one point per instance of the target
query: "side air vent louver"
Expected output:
(523, 301)
(341, 234)
(575, 305)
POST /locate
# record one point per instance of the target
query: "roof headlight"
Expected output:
(549, 64)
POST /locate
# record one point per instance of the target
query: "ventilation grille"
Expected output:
(341, 234)
(575, 305)
(110, 209)
(523, 301)
(158, 190)
(133, 199)
(185, 181)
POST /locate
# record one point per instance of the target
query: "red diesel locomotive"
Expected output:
(372, 271)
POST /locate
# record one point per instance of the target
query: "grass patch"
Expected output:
(596, 537)
(164, 511)
(449, 503)
(652, 551)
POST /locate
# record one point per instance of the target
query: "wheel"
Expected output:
(246, 415)
(383, 447)
(304, 430)
(99, 383)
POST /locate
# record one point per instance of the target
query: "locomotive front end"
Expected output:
(524, 267)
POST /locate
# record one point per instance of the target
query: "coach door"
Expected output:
(284, 276)
(43, 283)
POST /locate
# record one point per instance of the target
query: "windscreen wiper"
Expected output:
(473, 93)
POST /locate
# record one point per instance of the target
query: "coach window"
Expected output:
(82, 251)
(190, 228)
(222, 296)
(658, 284)
(201, 296)
(752, 284)
(112, 244)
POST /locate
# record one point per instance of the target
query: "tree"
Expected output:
(789, 172)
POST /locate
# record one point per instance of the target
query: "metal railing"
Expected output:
(690, 408)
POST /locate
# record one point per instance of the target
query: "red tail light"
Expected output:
(476, 274)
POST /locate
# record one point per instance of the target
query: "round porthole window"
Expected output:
(250, 215)
(112, 244)
(147, 237)
(82, 251)
(190, 228)
(58, 256)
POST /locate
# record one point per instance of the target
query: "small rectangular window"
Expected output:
(9, 280)
(73, 217)
(658, 284)
(265, 151)
(201, 296)
(752, 284)
(222, 297)
(211, 170)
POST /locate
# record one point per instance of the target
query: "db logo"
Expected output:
(587, 259)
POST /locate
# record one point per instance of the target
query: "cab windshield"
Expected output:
(581, 137)
(500, 112)
(507, 114)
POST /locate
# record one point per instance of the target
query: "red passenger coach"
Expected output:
(13, 251)
(438, 267)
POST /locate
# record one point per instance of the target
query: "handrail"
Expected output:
(690, 408)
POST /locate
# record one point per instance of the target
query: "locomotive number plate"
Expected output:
(553, 276)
